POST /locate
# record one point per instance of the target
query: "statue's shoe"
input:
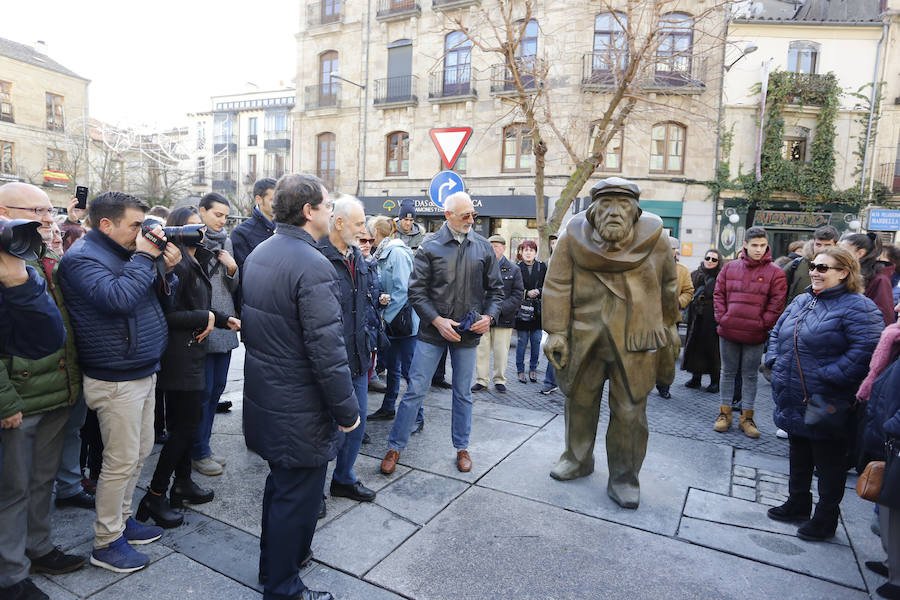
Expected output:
(623, 494)
(567, 469)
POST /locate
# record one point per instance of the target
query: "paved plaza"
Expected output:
(506, 530)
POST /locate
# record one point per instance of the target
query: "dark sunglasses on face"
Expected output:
(367, 240)
(822, 267)
(711, 259)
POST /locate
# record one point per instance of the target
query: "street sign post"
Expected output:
(443, 184)
(450, 142)
(884, 220)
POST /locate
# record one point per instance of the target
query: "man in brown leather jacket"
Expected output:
(610, 308)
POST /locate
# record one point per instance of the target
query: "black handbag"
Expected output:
(402, 325)
(825, 416)
(527, 311)
(890, 483)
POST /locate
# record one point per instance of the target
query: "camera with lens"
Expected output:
(20, 238)
(186, 235)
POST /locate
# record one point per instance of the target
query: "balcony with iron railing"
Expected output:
(396, 92)
(440, 5)
(452, 84)
(888, 175)
(397, 10)
(274, 173)
(323, 95)
(324, 12)
(223, 180)
(503, 81)
(199, 178)
(675, 74)
(331, 177)
(223, 142)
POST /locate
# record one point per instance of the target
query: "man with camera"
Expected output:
(114, 281)
(35, 400)
(298, 390)
(456, 290)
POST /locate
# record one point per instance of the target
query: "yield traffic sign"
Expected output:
(450, 142)
(443, 184)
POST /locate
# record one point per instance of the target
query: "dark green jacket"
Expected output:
(44, 384)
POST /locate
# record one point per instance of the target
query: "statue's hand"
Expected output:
(557, 344)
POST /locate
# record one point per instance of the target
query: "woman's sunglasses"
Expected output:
(367, 240)
(822, 268)
(711, 259)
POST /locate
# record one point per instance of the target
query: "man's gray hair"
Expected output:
(453, 200)
(344, 205)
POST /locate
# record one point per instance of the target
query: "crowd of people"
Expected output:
(119, 335)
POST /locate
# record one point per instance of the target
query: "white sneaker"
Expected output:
(781, 433)
(207, 466)
(219, 459)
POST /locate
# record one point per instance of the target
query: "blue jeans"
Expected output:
(524, 337)
(68, 477)
(349, 446)
(550, 375)
(398, 360)
(216, 377)
(743, 359)
(425, 359)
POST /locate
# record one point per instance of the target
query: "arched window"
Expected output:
(667, 142)
(457, 64)
(397, 155)
(331, 11)
(517, 151)
(528, 45)
(673, 56)
(328, 86)
(326, 167)
(610, 44)
(803, 57)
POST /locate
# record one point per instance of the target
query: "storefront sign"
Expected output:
(786, 219)
(884, 220)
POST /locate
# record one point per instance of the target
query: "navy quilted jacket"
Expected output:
(297, 385)
(836, 333)
(883, 410)
(111, 295)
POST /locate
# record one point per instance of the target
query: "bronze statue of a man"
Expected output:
(610, 305)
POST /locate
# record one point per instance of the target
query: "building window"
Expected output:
(667, 148)
(397, 153)
(6, 109)
(55, 115)
(56, 160)
(458, 167)
(117, 174)
(457, 64)
(612, 157)
(251, 168)
(201, 136)
(200, 174)
(326, 166)
(610, 43)
(7, 156)
(794, 149)
(328, 87)
(276, 124)
(517, 155)
(275, 164)
(331, 11)
(673, 56)
(803, 57)
(252, 134)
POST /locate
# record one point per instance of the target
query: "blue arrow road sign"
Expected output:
(443, 184)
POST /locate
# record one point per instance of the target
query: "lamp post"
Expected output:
(363, 116)
(750, 48)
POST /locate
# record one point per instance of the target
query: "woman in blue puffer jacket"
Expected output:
(821, 345)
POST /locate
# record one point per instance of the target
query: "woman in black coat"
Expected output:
(701, 347)
(182, 377)
(529, 330)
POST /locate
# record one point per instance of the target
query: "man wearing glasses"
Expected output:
(456, 290)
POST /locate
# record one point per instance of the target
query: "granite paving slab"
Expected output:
(418, 496)
(90, 579)
(672, 466)
(856, 514)
(831, 562)
(432, 450)
(488, 544)
(741, 513)
(368, 471)
(759, 460)
(174, 578)
(71, 527)
(51, 589)
(343, 586)
(360, 538)
(492, 410)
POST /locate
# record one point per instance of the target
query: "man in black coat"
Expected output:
(298, 391)
(259, 227)
(456, 290)
(497, 339)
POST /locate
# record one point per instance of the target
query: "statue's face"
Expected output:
(613, 216)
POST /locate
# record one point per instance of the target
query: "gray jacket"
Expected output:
(223, 286)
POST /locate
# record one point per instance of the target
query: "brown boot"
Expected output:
(390, 462)
(723, 421)
(747, 425)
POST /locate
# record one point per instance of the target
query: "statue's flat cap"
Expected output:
(615, 185)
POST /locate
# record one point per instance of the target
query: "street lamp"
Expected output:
(335, 75)
(750, 48)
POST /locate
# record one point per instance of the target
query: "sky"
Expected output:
(151, 63)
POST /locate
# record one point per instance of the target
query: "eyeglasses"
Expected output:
(366, 240)
(473, 215)
(38, 212)
(711, 259)
(822, 267)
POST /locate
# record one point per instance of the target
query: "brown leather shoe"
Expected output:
(390, 462)
(463, 461)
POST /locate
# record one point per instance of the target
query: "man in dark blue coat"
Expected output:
(355, 280)
(259, 227)
(298, 391)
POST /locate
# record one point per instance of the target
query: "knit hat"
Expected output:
(407, 209)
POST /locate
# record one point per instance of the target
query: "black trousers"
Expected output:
(828, 459)
(159, 412)
(91, 446)
(291, 504)
(184, 410)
